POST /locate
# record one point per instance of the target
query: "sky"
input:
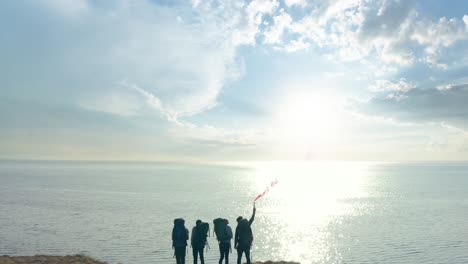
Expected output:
(173, 80)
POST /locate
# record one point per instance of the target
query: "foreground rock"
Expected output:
(41, 259)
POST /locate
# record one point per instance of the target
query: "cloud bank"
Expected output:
(444, 105)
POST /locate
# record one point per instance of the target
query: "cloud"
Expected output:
(386, 32)
(184, 54)
(436, 36)
(301, 3)
(193, 131)
(362, 29)
(417, 105)
(251, 19)
(181, 55)
(274, 34)
(184, 65)
(384, 19)
(384, 86)
(175, 59)
(152, 101)
(296, 45)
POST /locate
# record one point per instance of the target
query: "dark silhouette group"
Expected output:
(243, 238)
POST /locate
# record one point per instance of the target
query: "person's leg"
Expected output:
(247, 254)
(182, 257)
(195, 255)
(227, 253)
(221, 253)
(177, 255)
(239, 255)
(202, 257)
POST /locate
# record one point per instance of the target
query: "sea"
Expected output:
(318, 212)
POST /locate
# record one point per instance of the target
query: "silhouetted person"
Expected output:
(198, 240)
(180, 235)
(243, 238)
(225, 244)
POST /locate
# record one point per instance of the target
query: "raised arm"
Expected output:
(253, 216)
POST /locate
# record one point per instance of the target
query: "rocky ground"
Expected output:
(41, 259)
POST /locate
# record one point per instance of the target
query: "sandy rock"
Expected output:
(42, 259)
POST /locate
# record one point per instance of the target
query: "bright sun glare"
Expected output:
(308, 119)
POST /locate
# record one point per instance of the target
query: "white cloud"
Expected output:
(182, 61)
(388, 32)
(372, 29)
(151, 100)
(445, 87)
(442, 33)
(185, 66)
(301, 3)
(249, 26)
(389, 86)
(175, 60)
(296, 45)
(310, 30)
(274, 35)
(438, 35)
(189, 130)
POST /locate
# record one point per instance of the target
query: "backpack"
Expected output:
(220, 229)
(202, 231)
(179, 233)
(245, 236)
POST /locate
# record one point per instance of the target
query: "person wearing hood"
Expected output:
(243, 237)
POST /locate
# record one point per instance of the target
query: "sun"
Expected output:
(306, 119)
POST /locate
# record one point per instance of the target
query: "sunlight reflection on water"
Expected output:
(308, 197)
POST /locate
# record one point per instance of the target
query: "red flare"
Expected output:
(267, 189)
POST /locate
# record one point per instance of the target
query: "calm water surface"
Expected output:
(329, 212)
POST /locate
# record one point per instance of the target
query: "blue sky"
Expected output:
(234, 80)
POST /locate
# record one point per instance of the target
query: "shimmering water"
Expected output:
(318, 212)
